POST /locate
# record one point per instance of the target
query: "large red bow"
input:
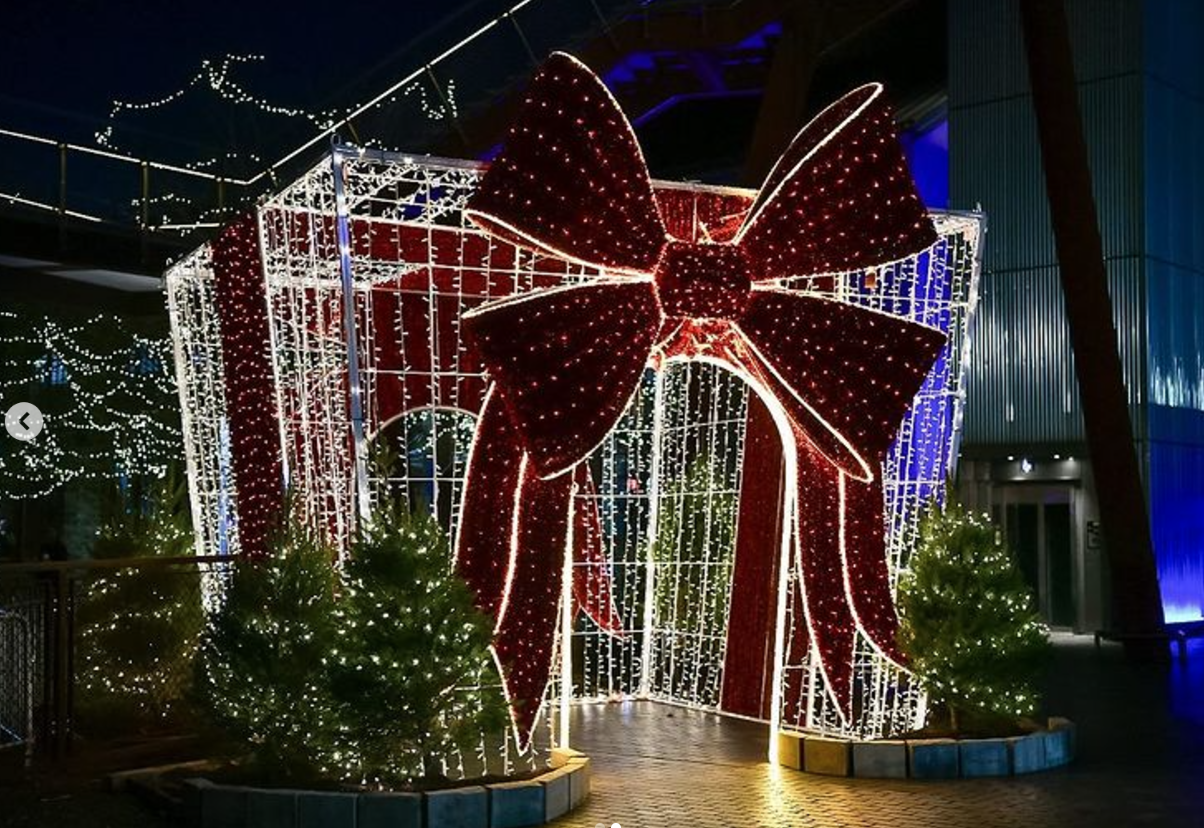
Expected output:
(571, 182)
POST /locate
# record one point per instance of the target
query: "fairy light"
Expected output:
(252, 423)
(217, 76)
(204, 417)
(109, 409)
(214, 76)
(157, 608)
(443, 110)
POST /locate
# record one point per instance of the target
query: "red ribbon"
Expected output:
(564, 362)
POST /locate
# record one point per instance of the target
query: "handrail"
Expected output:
(621, 11)
(88, 564)
(22, 624)
(128, 159)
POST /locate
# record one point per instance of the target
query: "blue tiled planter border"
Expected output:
(508, 805)
(930, 758)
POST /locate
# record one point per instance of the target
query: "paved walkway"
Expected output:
(1141, 762)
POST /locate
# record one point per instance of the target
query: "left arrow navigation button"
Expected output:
(23, 421)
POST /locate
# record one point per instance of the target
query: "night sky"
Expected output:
(62, 63)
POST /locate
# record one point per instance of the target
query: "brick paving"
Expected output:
(1140, 745)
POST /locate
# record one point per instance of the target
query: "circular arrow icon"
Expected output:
(23, 421)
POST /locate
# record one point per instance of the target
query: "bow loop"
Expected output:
(563, 389)
(571, 180)
(840, 198)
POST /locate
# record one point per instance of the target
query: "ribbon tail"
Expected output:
(510, 549)
(752, 619)
(867, 574)
(593, 584)
(483, 553)
(524, 640)
(818, 527)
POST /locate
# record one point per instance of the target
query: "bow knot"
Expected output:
(703, 281)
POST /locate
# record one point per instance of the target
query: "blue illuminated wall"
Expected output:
(927, 151)
(1173, 98)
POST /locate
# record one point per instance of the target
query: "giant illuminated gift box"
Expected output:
(559, 354)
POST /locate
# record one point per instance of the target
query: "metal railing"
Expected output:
(16, 684)
(107, 647)
(92, 186)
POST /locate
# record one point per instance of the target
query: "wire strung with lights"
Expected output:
(215, 76)
(107, 397)
(618, 520)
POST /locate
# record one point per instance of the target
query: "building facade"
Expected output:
(1141, 91)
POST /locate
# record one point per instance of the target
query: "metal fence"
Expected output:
(16, 684)
(90, 650)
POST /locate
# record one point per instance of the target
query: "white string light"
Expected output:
(116, 411)
(215, 76)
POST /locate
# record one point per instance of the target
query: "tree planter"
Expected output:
(504, 805)
(930, 758)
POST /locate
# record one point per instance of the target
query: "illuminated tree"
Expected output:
(260, 671)
(138, 625)
(411, 672)
(969, 628)
(108, 396)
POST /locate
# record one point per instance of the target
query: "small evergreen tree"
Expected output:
(138, 626)
(968, 625)
(260, 671)
(411, 673)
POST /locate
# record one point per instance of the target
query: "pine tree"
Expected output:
(138, 626)
(411, 674)
(260, 671)
(968, 625)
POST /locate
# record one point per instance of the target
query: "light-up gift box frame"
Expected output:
(393, 234)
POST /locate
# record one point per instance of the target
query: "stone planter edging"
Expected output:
(536, 801)
(930, 758)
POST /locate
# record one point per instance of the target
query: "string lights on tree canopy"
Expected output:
(107, 394)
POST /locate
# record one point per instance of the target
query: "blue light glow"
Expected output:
(919, 464)
(928, 157)
(1176, 485)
